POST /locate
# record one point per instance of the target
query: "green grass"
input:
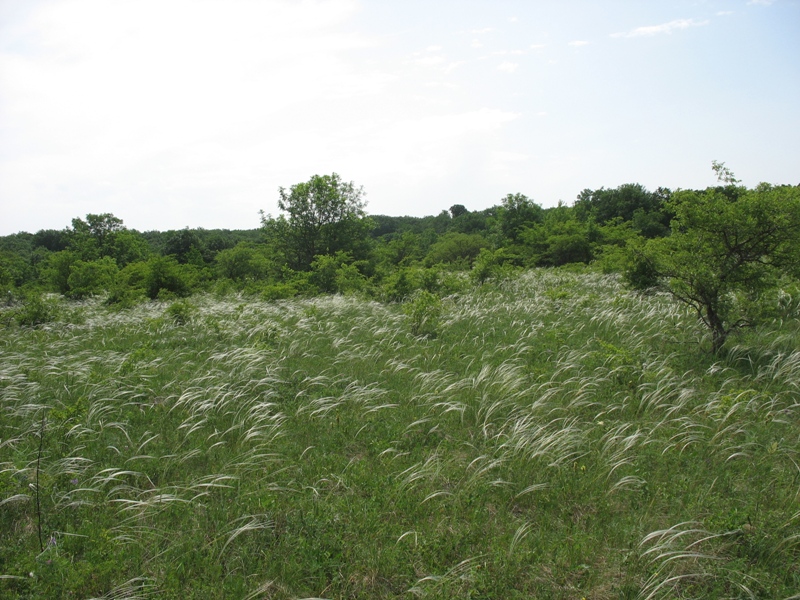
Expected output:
(556, 437)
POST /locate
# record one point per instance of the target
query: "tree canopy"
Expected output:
(323, 216)
(728, 246)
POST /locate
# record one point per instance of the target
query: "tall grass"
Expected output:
(554, 437)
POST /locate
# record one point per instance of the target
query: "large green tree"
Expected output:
(728, 246)
(323, 216)
(629, 202)
(105, 235)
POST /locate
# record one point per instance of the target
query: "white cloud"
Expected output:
(507, 66)
(579, 43)
(669, 27)
(724, 13)
(537, 46)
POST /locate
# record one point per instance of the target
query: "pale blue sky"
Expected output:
(176, 113)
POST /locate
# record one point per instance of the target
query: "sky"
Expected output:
(193, 113)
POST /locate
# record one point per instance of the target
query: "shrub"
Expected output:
(36, 309)
(425, 312)
(491, 265)
(457, 249)
(165, 277)
(180, 312)
(88, 278)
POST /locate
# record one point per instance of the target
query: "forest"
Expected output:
(596, 401)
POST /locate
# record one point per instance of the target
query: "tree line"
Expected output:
(721, 250)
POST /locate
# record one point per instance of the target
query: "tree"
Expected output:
(517, 212)
(87, 278)
(728, 246)
(628, 202)
(457, 210)
(90, 238)
(456, 248)
(102, 235)
(324, 215)
(559, 238)
(244, 262)
(183, 245)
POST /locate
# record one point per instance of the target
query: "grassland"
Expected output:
(554, 436)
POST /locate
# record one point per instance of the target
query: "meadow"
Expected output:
(551, 435)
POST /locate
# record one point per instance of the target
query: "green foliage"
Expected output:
(36, 309)
(88, 278)
(180, 312)
(457, 249)
(126, 247)
(282, 290)
(630, 202)
(424, 311)
(323, 272)
(336, 274)
(165, 277)
(101, 236)
(185, 246)
(516, 213)
(14, 270)
(400, 284)
(559, 239)
(492, 264)
(402, 250)
(245, 262)
(130, 286)
(52, 240)
(324, 215)
(57, 268)
(728, 247)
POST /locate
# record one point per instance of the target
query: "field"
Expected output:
(550, 436)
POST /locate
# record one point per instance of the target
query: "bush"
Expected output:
(457, 249)
(399, 285)
(336, 274)
(36, 309)
(279, 291)
(243, 262)
(425, 312)
(180, 312)
(492, 265)
(166, 278)
(129, 286)
(88, 278)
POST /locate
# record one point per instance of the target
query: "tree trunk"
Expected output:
(718, 332)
